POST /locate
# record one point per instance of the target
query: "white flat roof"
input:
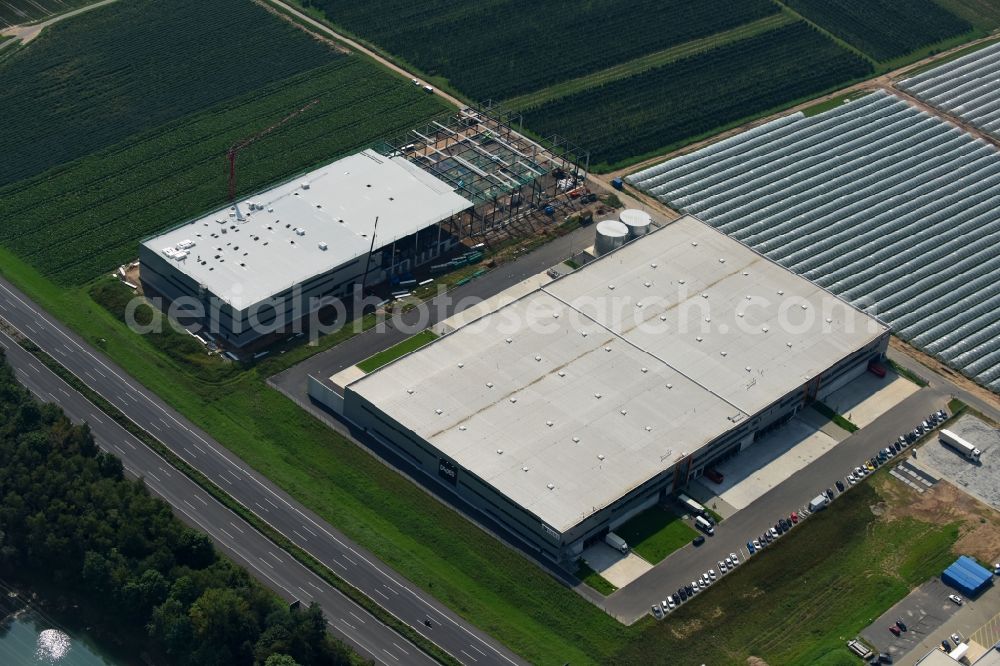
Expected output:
(596, 384)
(276, 244)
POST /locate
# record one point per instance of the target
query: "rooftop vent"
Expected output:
(461, 365)
(508, 341)
(607, 349)
(549, 423)
(649, 428)
(652, 265)
(304, 184)
(524, 469)
(499, 452)
(323, 246)
(561, 373)
(694, 243)
(781, 292)
(576, 439)
(438, 412)
(645, 370)
(537, 357)
(670, 386)
(600, 456)
(724, 353)
(597, 395)
(462, 428)
(550, 487)
(410, 391)
(513, 400)
(489, 384)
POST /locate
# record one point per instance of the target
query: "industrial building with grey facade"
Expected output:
(268, 260)
(569, 407)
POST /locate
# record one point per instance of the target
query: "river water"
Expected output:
(28, 640)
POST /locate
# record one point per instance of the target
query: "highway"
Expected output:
(354, 564)
(235, 537)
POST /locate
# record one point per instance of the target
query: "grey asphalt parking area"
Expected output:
(981, 481)
(923, 611)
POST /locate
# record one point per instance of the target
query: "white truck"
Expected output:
(968, 451)
(818, 502)
(691, 505)
(616, 542)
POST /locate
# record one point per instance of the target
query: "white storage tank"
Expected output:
(611, 234)
(637, 221)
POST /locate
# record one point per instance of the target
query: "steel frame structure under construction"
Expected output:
(487, 161)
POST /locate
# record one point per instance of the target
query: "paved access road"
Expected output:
(357, 566)
(731, 535)
(246, 546)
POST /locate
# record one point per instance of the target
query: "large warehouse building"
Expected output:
(264, 262)
(568, 410)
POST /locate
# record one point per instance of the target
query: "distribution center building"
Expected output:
(566, 411)
(270, 257)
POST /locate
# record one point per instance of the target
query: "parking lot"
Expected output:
(868, 397)
(924, 611)
(982, 481)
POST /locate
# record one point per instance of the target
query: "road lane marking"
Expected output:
(477, 649)
(165, 471)
(357, 617)
(384, 595)
(468, 655)
(188, 451)
(314, 585)
(349, 559)
(190, 505)
(153, 476)
(390, 654)
(235, 475)
(271, 503)
(275, 557)
(265, 562)
(201, 499)
(238, 528)
(348, 624)
(225, 479)
(399, 648)
(310, 531)
(304, 592)
(223, 530)
(131, 445)
(299, 535)
(96, 419)
(261, 506)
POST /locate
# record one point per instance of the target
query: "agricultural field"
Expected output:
(670, 105)
(104, 202)
(16, 12)
(495, 49)
(884, 29)
(91, 81)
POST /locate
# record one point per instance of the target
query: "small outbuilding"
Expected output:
(967, 576)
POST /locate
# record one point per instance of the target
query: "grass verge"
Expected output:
(956, 406)
(834, 416)
(386, 356)
(655, 533)
(797, 603)
(906, 372)
(226, 500)
(595, 580)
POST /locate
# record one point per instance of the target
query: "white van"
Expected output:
(703, 524)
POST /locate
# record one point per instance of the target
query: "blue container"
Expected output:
(549, 210)
(617, 184)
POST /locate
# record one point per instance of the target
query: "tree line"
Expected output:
(70, 521)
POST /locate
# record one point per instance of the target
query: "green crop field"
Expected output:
(494, 49)
(97, 78)
(85, 216)
(666, 106)
(883, 29)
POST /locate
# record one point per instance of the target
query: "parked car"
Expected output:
(676, 598)
(711, 574)
(695, 586)
(698, 540)
(898, 446)
(794, 516)
(900, 624)
(722, 567)
(956, 639)
(657, 611)
(735, 558)
(885, 658)
(955, 598)
(945, 645)
(829, 493)
(779, 527)
(751, 548)
(894, 629)
(755, 544)
(851, 478)
(682, 593)
(840, 486)
(773, 533)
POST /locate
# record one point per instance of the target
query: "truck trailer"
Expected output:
(691, 505)
(968, 451)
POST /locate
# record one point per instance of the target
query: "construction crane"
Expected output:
(237, 147)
